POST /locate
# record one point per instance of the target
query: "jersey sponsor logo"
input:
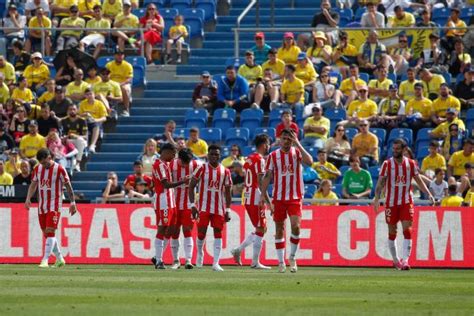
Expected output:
(45, 183)
(287, 169)
(400, 180)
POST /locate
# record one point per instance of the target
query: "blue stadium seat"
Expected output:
(238, 136)
(374, 171)
(169, 13)
(103, 60)
(309, 190)
(351, 132)
(345, 16)
(182, 132)
(423, 135)
(422, 152)
(180, 5)
(467, 13)
(192, 12)
(209, 8)
(136, 61)
(441, 13)
(225, 151)
(248, 150)
(211, 135)
(447, 77)
(313, 151)
(459, 78)
(158, 3)
(196, 118)
(470, 115)
(381, 135)
(364, 76)
(276, 113)
(405, 133)
(139, 12)
(359, 12)
(392, 77)
(234, 61)
(196, 27)
(338, 190)
(251, 119)
(139, 79)
(335, 114)
(269, 131)
(224, 119)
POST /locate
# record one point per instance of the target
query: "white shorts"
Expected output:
(93, 39)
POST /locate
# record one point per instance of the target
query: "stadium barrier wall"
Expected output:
(330, 236)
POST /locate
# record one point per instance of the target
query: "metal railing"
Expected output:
(246, 11)
(237, 30)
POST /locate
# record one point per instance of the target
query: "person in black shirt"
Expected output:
(327, 18)
(60, 103)
(75, 128)
(47, 121)
(113, 189)
(465, 89)
(21, 58)
(6, 143)
(24, 177)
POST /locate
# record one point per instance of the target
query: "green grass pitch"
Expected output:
(142, 290)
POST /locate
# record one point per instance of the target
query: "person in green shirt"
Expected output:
(357, 183)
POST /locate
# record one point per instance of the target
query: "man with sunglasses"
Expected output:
(401, 55)
(316, 128)
(361, 109)
(69, 38)
(366, 145)
(96, 38)
(418, 109)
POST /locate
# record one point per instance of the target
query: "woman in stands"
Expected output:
(65, 74)
(235, 155)
(154, 25)
(149, 156)
(37, 73)
(324, 192)
(320, 53)
(289, 52)
(338, 147)
(326, 93)
(60, 150)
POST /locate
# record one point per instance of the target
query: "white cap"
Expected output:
(127, 2)
(36, 55)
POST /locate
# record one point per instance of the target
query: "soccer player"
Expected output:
(49, 178)
(254, 169)
(395, 177)
(215, 184)
(181, 168)
(284, 166)
(164, 198)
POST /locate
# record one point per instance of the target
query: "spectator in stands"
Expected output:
(65, 74)
(401, 55)
(60, 151)
(325, 169)
(253, 73)
(75, 129)
(426, 19)
(438, 186)
(465, 89)
(20, 58)
(272, 92)
(288, 52)
(121, 72)
(61, 10)
(459, 59)
(401, 18)
(6, 142)
(95, 113)
(276, 65)
(327, 18)
(433, 58)
(8, 71)
(357, 182)
(47, 121)
(232, 90)
(22, 94)
(366, 146)
(141, 191)
(24, 177)
(453, 199)
(31, 142)
(148, 156)
(433, 161)
(130, 182)
(68, 38)
(19, 124)
(379, 88)
(292, 90)
(443, 103)
(451, 35)
(418, 110)
(324, 192)
(92, 77)
(37, 73)
(76, 89)
(180, 143)
(349, 85)
(406, 90)
(372, 54)
(95, 38)
(460, 158)
(108, 91)
(316, 129)
(238, 178)
(14, 24)
(48, 95)
(344, 54)
(86, 8)
(320, 53)
(153, 22)
(326, 93)
(168, 134)
(5, 177)
(205, 93)
(4, 94)
(372, 18)
(361, 109)
(113, 189)
(12, 165)
(391, 110)
(235, 155)
(112, 8)
(34, 36)
(304, 71)
(466, 182)
(197, 145)
(60, 103)
(261, 49)
(177, 33)
(123, 21)
(32, 5)
(442, 130)
(431, 83)
(454, 141)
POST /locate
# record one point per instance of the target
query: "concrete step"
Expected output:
(122, 138)
(115, 156)
(169, 94)
(135, 120)
(98, 176)
(169, 111)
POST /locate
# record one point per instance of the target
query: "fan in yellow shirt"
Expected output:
(5, 177)
(197, 145)
(453, 200)
(123, 22)
(39, 20)
(111, 8)
(122, 72)
(444, 102)
(325, 169)
(86, 8)
(292, 89)
(37, 73)
(250, 71)
(455, 21)
(22, 94)
(60, 8)
(32, 142)
(401, 18)
(460, 158)
(76, 89)
(363, 108)
(49, 94)
(289, 51)
(8, 71)
(433, 161)
(4, 91)
(305, 71)
(431, 83)
(324, 192)
(276, 65)
(406, 91)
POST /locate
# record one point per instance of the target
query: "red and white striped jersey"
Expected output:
(287, 174)
(212, 183)
(254, 165)
(164, 198)
(50, 186)
(179, 172)
(398, 189)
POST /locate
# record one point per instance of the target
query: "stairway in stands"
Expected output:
(166, 100)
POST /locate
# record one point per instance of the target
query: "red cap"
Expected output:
(288, 34)
(260, 35)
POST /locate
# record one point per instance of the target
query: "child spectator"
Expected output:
(439, 187)
(324, 192)
(148, 156)
(453, 200)
(177, 34)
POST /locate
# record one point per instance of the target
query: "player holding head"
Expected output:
(284, 167)
(254, 169)
(164, 198)
(181, 168)
(215, 184)
(395, 178)
(49, 178)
